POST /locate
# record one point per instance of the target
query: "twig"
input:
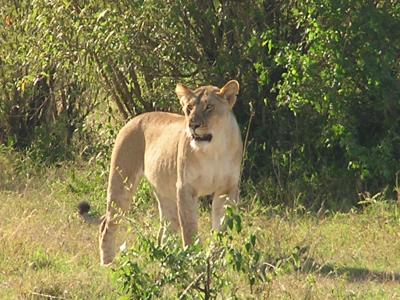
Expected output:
(109, 85)
(46, 296)
(208, 281)
(397, 188)
(269, 265)
(194, 282)
(22, 222)
(246, 140)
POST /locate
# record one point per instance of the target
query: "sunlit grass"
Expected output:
(46, 250)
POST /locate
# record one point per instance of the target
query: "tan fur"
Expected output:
(176, 156)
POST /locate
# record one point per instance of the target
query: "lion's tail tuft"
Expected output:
(83, 209)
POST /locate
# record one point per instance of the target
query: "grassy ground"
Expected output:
(46, 250)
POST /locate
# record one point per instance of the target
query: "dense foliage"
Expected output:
(153, 271)
(322, 79)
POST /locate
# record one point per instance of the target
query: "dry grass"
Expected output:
(349, 256)
(46, 252)
(46, 249)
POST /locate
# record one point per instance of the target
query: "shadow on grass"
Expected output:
(352, 274)
(301, 255)
(355, 274)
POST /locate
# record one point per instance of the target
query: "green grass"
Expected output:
(46, 250)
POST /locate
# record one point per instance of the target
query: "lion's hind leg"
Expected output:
(119, 197)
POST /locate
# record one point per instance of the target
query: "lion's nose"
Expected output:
(195, 125)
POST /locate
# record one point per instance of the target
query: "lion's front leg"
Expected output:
(218, 209)
(188, 213)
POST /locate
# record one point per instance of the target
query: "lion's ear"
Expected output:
(183, 93)
(230, 91)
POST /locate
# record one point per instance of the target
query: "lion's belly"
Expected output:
(163, 178)
(160, 169)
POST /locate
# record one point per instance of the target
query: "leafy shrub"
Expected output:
(320, 77)
(152, 271)
(336, 98)
(44, 96)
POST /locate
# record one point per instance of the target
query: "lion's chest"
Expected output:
(214, 174)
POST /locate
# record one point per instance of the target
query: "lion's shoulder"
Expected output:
(160, 116)
(153, 121)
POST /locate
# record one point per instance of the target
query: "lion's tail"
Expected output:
(84, 209)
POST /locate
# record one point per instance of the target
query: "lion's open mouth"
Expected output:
(202, 138)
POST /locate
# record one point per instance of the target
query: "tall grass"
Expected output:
(46, 251)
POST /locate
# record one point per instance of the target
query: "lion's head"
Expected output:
(206, 107)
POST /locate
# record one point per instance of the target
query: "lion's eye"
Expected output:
(189, 108)
(209, 107)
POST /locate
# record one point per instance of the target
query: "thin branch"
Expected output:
(121, 88)
(137, 89)
(207, 287)
(246, 141)
(46, 296)
(193, 283)
(110, 88)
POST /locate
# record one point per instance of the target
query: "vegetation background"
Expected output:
(320, 101)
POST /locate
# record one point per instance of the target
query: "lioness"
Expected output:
(183, 157)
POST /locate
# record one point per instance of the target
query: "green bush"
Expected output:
(320, 80)
(330, 85)
(44, 94)
(228, 265)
